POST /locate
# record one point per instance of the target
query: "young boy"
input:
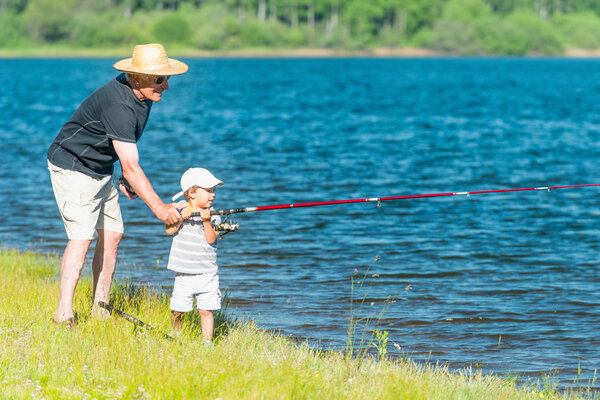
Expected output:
(194, 252)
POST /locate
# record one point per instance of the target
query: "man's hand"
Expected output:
(168, 214)
(186, 213)
(125, 190)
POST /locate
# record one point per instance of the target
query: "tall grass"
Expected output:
(111, 359)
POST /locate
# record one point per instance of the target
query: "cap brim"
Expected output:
(178, 195)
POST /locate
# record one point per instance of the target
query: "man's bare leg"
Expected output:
(70, 271)
(103, 268)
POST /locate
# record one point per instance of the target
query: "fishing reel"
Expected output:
(224, 226)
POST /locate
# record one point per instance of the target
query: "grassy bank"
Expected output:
(111, 359)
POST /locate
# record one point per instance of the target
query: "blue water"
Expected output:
(508, 281)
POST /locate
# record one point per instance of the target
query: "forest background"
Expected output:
(462, 27)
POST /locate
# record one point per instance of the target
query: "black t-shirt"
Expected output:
(111, 112)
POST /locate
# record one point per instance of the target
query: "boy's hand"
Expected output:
(205, 214)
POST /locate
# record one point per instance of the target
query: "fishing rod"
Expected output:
(132, 319)
(382, 199)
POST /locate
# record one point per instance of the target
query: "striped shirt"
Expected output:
(190, 252)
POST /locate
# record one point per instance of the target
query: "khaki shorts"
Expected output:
(85, 203)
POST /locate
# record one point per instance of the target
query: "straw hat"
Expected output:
(151, 59)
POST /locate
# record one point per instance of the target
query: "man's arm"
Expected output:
(129, 158)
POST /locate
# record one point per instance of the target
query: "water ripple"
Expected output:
(506, 280)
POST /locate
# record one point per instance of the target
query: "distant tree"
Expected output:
(502, 36)
(579, 30)
(363, 19)
(501, 6)
(456, 31)
(457, 26)
(13, 32)
(213, 27)
(48, 20)
(12, 6)
(539, 34)
(410, 16)
(586, 5)
(466, 10)
(172, 28)
(89, 28)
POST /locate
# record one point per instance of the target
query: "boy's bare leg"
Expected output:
(176, 320)
(207, 322)
(103, 267)
(70, 270)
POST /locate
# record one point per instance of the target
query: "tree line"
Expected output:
(503, 27)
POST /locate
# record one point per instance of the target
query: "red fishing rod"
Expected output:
(381, 199)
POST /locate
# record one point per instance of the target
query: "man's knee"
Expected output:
(109, 239)
(77, 248)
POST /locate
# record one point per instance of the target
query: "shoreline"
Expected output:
(106, 358)
(49, 52)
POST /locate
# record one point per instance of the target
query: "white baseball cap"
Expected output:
(197, 177)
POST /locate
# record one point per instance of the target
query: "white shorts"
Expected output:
(205, 287)
(85, 203)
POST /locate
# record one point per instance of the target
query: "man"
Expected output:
(105, 128)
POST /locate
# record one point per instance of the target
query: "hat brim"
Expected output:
(173, 67)
(211, 184)
(217, 182)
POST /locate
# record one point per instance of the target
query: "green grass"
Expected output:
(111, 359)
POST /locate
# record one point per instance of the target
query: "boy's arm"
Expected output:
(172, 229)
(209, 232)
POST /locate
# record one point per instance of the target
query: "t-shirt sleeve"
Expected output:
(120, 123)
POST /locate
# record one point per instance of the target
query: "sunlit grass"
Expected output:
(113, 359)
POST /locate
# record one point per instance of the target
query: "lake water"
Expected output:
(508, 281)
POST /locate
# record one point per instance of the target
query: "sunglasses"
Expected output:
(161, 79)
